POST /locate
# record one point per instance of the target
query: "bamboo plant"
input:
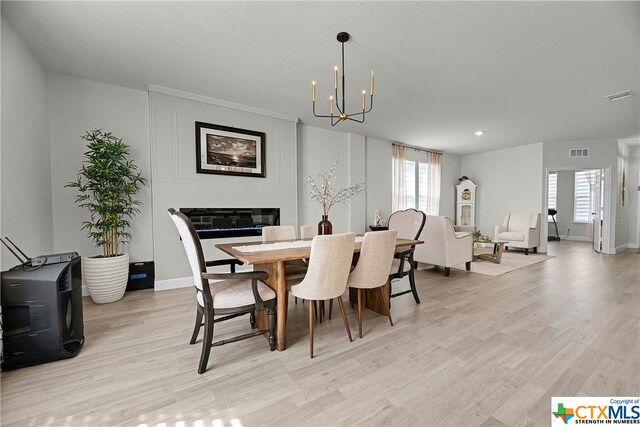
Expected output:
(107, 183)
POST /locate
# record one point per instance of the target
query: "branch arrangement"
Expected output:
(325, 194)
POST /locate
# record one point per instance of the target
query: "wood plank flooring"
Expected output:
(479, 350)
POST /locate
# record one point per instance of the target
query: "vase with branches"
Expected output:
(107, 183)
(324, 192)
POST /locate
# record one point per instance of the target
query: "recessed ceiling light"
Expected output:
(620, 95)
(479, 132)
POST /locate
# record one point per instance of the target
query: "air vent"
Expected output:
(620, 95)
(579, 152)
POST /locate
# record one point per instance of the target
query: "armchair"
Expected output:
(520, 230)
(223, 296)
(443, 245)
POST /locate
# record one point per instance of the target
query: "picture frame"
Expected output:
(225, 150)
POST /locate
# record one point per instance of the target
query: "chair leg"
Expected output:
(196, 328)
(330, 307)
(252, 319)
(344, 318)
(359, 312)
(526, 251)
(311, 317)
(468, 265)
(412, 282)
(535, 250)
(386, 303)
(295, 300)
(447, 271)
(206, 342)
(272, 328)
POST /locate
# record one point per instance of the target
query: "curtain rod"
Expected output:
(417, 148)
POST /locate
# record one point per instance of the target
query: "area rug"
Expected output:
(510, 261)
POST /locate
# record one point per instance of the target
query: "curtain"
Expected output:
(399, 192)
(433, 183)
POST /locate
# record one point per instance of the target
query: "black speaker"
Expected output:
(41, 314)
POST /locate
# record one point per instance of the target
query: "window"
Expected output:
(416, 184)
(552, 192)
(582, 201)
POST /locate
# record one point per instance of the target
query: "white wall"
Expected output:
(25, 202)
(75, 106)
(318, 150)
(379, 178)
(176, 184)
(450, 170)
(509, 180)
(633, 191)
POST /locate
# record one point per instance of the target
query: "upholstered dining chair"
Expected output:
(408, 224)
(308, 231)
(277, 233)
(329, 265)
(227, 295)
(372, 269)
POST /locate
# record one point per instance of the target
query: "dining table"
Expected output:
(271, 257)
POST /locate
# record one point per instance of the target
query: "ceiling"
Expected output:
(524, 72)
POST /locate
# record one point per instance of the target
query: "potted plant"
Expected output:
(107, 183)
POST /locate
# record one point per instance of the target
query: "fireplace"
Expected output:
(216, 223)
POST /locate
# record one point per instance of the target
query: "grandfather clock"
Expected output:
(466, 203)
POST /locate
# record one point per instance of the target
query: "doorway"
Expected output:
(579, 198)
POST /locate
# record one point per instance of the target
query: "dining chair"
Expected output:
(295, 269)
(408, 224)
(308, 231)
(372, 269)
(228, 295)
(277, 233)
(329, 265)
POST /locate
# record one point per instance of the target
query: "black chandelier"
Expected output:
(335, 119)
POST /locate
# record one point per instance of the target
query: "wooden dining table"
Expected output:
(272, 261)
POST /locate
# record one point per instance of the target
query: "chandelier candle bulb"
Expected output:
(313, 91)
(371, 83)
(331, 105)
(335, 77)
(363, 100)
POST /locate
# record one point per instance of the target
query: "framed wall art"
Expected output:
(230, 151)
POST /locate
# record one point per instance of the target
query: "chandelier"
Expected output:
(341, 111)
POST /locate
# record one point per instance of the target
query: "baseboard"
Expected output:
(159, 285)
(633, 246)
(579, 238)
(180, 282)
(621, 248)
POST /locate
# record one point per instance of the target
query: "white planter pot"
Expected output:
(106, 278)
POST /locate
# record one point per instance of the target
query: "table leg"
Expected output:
(498, 252)
(276, 282)
(373, 300)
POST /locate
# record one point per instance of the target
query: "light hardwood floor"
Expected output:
(479, 350)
